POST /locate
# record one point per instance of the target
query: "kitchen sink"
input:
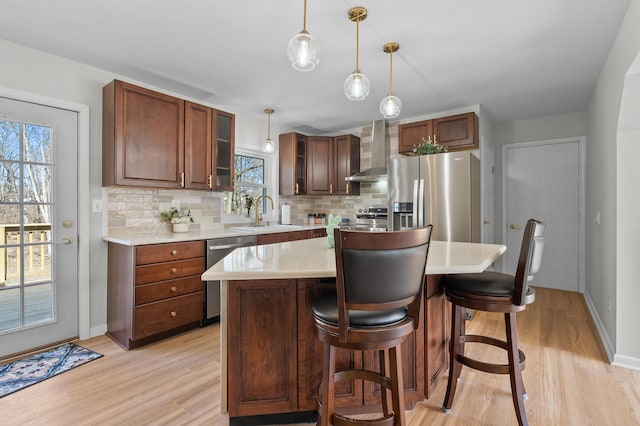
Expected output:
(276, 227)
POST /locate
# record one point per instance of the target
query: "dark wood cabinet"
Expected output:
(456, 132)
(281, 237)
(436, 334)
(329, 161)
(224, 147)
(262, 347)
(153, 291)
(293, 164)
(143, 137)
(154, 140)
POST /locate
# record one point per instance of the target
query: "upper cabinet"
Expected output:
(456, 132)
(154, 140)
(329, 161)
(142, 137)
(293, 164)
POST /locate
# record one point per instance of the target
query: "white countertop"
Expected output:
(156, 236)
(313, 259)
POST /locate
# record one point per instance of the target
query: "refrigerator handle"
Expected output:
(416, 223)
(421, 223)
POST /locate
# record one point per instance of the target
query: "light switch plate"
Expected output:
(96, 205)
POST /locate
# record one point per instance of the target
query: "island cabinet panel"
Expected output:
(310, 352)
(262, 347)
(153, 291)
(436, 333)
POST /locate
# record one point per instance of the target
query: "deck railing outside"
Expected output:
(37, 256)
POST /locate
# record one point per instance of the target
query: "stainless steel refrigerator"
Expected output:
(440, 189)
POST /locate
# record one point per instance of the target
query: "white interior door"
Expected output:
(38, 226)
(543, 180)
(487, 166)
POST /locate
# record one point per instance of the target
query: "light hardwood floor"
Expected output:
(177, 381)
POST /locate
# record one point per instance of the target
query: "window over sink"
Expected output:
(251, 172)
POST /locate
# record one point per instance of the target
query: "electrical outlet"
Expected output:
(96, 205)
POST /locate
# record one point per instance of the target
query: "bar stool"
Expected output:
(494, 292)
(379, 291)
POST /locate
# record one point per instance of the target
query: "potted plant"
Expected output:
(427, 147)
(179, 219)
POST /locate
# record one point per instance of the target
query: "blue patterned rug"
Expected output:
(36, 368)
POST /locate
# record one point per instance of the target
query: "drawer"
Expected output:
(165, 315)
(168, 252)
(165, 289)
(168, 270)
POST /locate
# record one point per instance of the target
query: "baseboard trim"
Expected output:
(626, 362)
(604, 336)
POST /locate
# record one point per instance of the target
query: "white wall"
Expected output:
(36, 72)
(605, 155)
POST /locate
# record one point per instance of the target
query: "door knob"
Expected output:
(512, 226)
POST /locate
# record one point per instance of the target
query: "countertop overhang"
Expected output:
(313, 259)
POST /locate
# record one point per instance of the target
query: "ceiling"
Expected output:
(516, 58)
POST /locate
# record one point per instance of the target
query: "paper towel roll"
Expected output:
(286, 215)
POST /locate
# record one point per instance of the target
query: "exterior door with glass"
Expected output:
(38, 226)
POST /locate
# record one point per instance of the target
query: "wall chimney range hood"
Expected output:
(380, 151)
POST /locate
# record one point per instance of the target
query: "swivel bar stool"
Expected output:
(494, 292)
(379, 291)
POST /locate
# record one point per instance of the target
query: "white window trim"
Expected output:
(270, 174)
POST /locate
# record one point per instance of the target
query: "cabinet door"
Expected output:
(143, 137)
(293, 164)
(410, 135)
(310, 352)
(320, 165)
(436, 348)
(198, 144)
(347, 160)
(262, 347)
(457, 132)
(224, 134)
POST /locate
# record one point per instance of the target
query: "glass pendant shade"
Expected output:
(390, 106)
(356, 86)
(268, 146)
(303, 52)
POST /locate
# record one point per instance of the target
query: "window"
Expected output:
(250, 183)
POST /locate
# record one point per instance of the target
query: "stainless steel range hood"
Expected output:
(380, 151)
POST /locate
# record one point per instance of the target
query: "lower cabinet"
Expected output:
(283, 237)
(275, 359)
(261, 347)
(153, 291)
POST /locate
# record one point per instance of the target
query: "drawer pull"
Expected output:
(174, 270)
(174, 288)
(173, 313)
(174, 252)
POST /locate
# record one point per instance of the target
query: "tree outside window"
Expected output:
(249, 184)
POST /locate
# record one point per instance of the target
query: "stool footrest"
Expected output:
(339, 420)
(486, 366)
(355, 374)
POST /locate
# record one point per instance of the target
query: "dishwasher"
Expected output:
(217, 249)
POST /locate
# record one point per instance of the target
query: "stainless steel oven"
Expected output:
(369, 219)
(217, 249)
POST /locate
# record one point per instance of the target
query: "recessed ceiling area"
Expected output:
(518, 59)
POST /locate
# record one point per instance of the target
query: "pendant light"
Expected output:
(267, 145)
(303, 48)
(391, 105)
(357, 86)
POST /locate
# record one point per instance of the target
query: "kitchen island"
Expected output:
(271, 360)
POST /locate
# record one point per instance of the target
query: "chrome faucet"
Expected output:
(258, 209)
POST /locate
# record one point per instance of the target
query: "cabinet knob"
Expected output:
(174, 270)
(174, 289)
(174, 313)
(174, 252)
